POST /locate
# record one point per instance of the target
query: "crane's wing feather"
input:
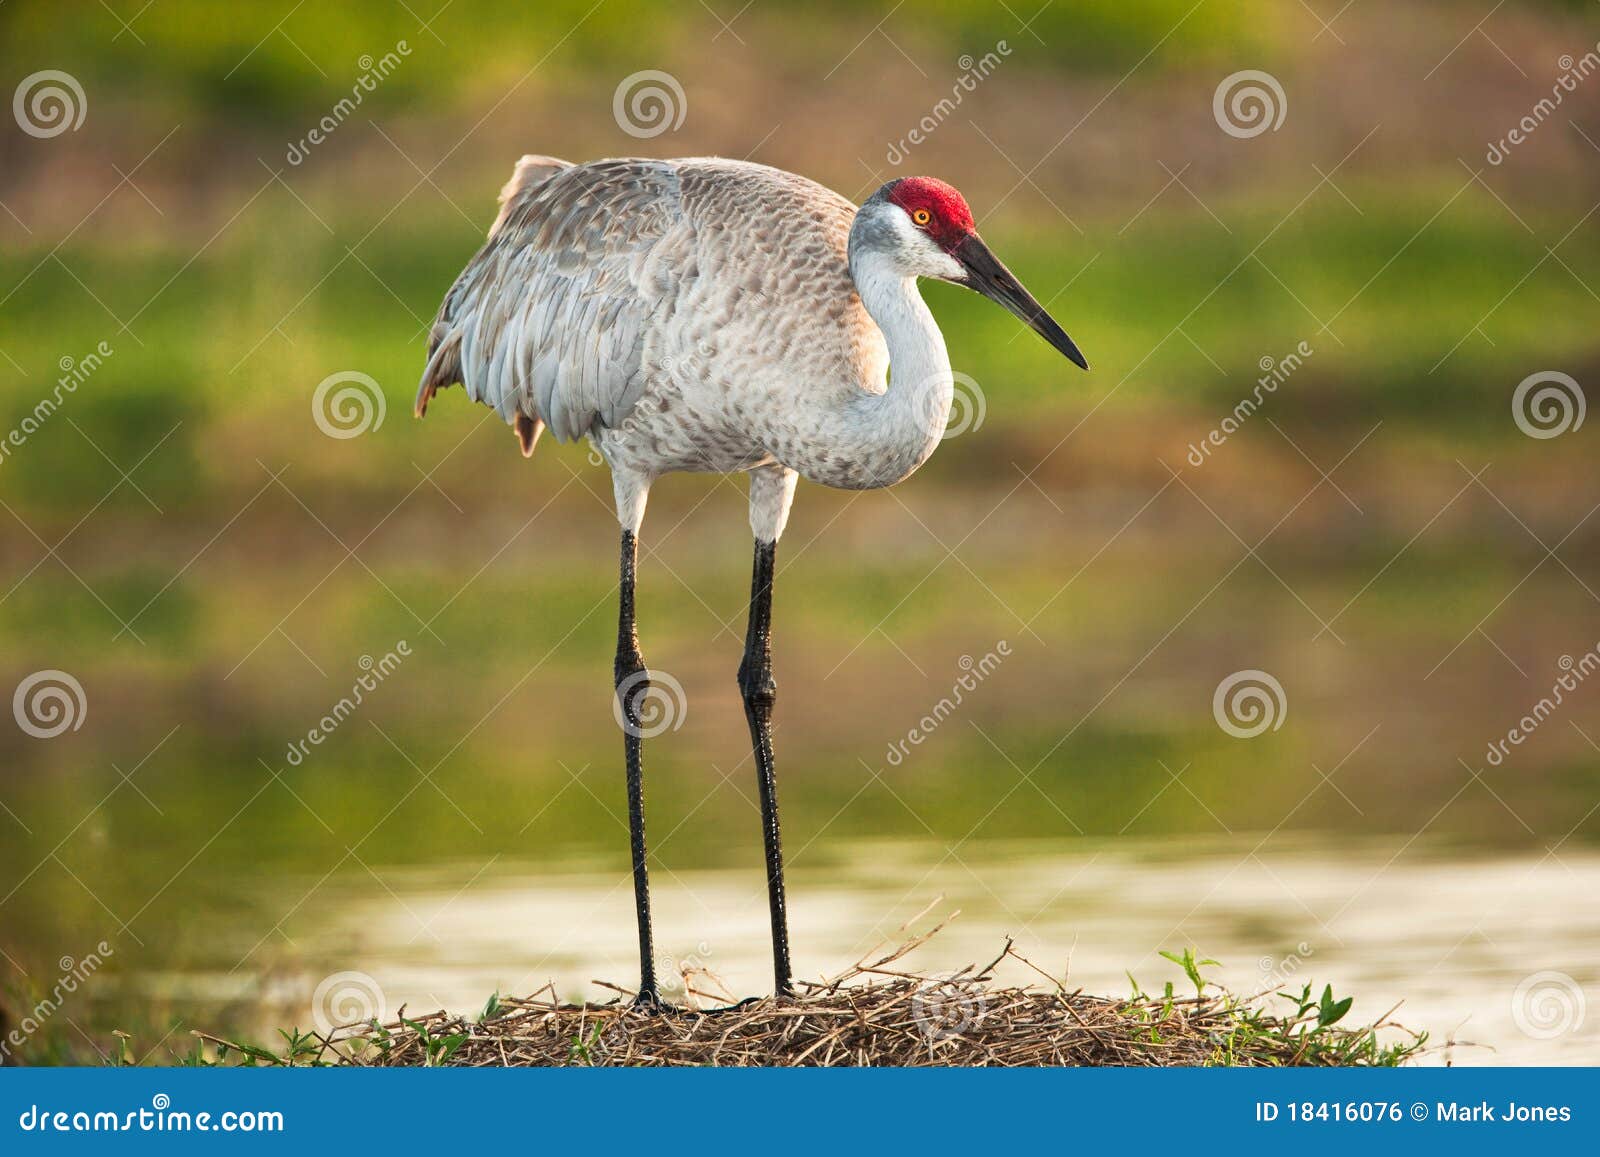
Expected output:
(547, 322)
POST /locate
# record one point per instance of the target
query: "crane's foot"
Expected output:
(741, 1005)
(648, 1000)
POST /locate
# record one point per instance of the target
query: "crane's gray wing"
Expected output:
(547, 322)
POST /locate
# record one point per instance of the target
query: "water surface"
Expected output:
(1448, 938)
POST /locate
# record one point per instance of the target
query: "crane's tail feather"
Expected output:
(444, 347)
(443, 369)
(531, 170)
(528, 431)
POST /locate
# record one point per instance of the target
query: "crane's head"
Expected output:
(927, 228)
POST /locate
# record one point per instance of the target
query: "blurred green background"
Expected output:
(1382, 536)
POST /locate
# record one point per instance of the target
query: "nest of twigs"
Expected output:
(873, 1014)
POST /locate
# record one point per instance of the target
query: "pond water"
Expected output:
(1499, 953)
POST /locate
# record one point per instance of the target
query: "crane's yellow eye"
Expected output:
(921, 216)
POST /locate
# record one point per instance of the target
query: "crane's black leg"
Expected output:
(632, 682)
(760, 692)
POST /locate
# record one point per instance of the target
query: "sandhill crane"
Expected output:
(714, 315)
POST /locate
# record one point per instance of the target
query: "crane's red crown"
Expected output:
(934, 207)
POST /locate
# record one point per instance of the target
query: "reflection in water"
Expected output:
(1502, 952)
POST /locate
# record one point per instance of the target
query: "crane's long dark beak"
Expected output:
(988, 275)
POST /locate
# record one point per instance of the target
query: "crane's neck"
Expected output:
(893, 432)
